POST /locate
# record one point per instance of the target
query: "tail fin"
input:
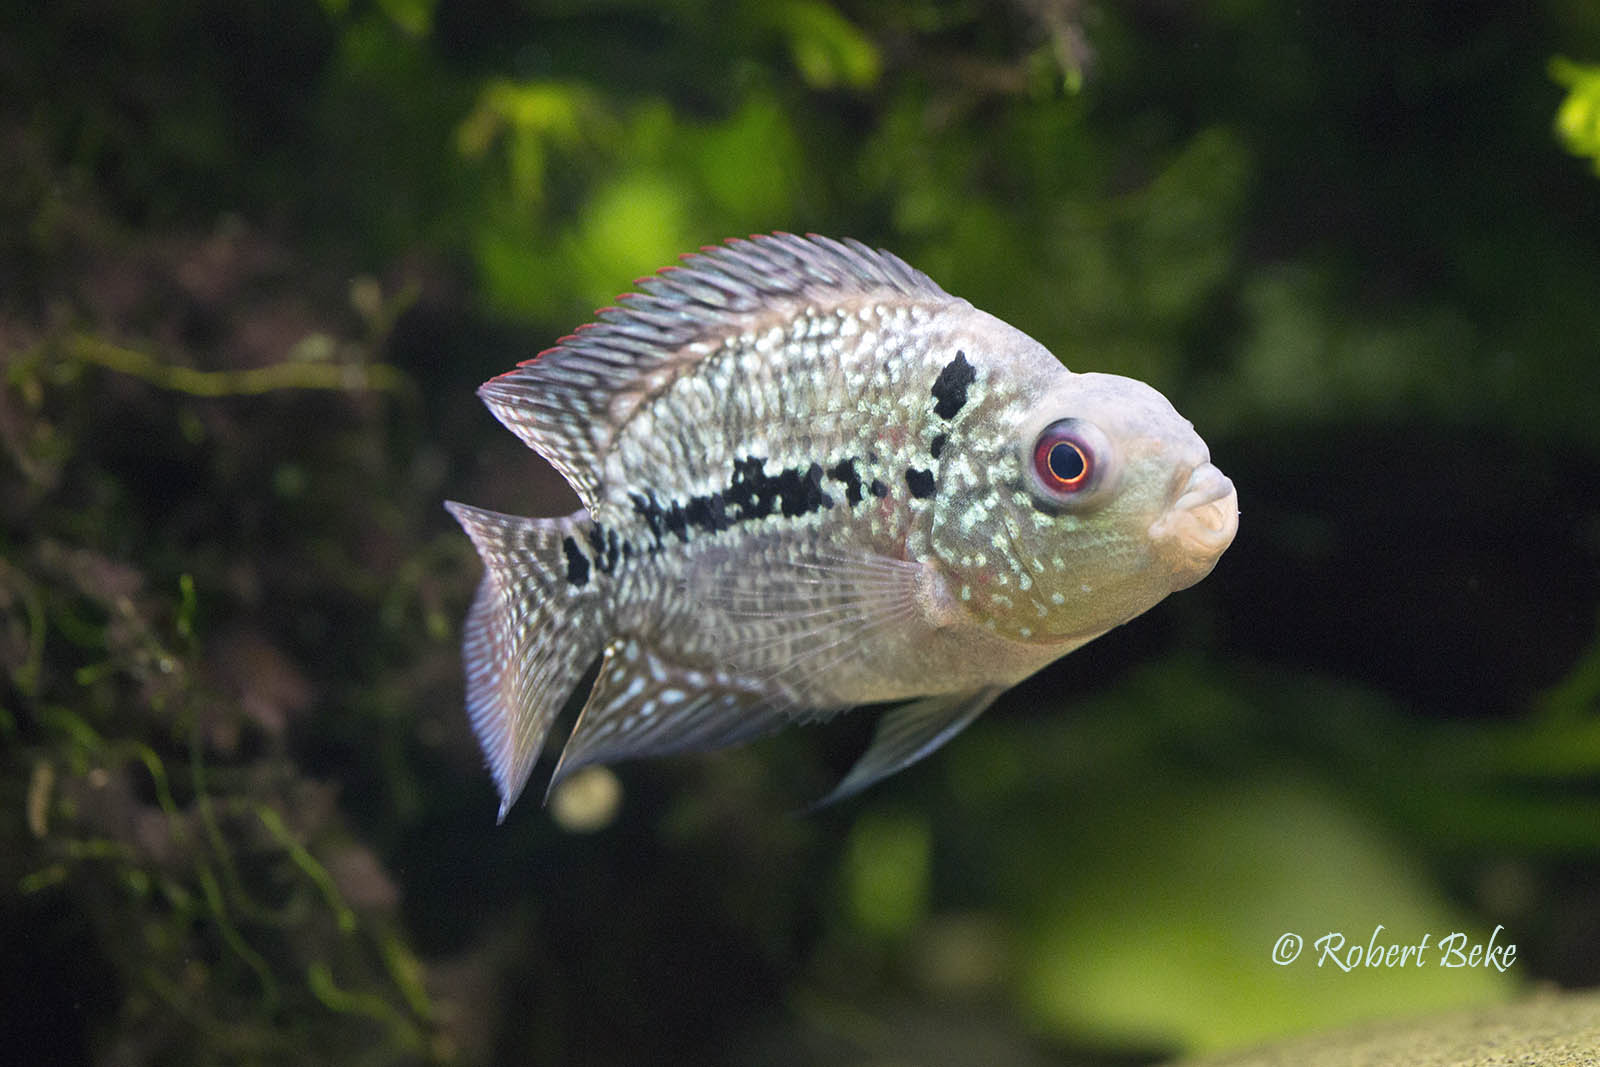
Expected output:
(528, 639)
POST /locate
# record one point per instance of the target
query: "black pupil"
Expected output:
(1066, 462)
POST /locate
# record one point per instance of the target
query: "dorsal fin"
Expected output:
(568, 402)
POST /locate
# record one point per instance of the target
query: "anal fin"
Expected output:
(908, 733)
(644, 705)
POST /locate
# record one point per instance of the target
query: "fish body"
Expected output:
(813, 479)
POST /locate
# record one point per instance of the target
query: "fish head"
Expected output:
(1101, 499)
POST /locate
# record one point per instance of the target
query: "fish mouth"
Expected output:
(1203, 519)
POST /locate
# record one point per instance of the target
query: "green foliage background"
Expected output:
(255, 257)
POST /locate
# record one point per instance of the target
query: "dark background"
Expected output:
(254, 258)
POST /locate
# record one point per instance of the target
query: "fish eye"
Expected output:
(1068, 467)
(1067, 460)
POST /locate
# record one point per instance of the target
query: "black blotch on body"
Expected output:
(676, 521)
(660, 520)
(708, 513)
(878, 489)
(648, 510)
(950, 388)
(920, 482)
(845, 471)
(577, 562)
(607, 548)
(751, 491)
(936, 446)
(792, 493)
(801, 493)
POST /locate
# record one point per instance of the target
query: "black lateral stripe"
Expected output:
(801, 493)
(605, 545)
(920, 482)
(676, 521)
(751, 493)
(708, 513)
(577, 562)
(950, 388)
(845, 471)
(648, 510)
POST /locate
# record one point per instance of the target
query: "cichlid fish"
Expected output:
(813, 479)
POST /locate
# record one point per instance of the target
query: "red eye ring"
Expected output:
(1062, 461)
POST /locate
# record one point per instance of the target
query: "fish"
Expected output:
(811, 480)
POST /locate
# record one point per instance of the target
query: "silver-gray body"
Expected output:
(848, 603)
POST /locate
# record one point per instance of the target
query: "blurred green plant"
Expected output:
(415, 17)
(886, 866)
(241, 915)
(828, 50)
(290, 374)
(209, 895)
(1578, 119)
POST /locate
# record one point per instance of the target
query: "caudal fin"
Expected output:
(528, 639)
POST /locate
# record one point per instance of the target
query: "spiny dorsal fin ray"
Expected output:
(908, 733)
(568, 402)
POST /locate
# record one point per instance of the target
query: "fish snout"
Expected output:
(1200, 523)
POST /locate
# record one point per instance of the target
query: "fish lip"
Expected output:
(1206, 485)
(1203, 519)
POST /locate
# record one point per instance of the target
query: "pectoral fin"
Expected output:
(794, 617)
(910, 732)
